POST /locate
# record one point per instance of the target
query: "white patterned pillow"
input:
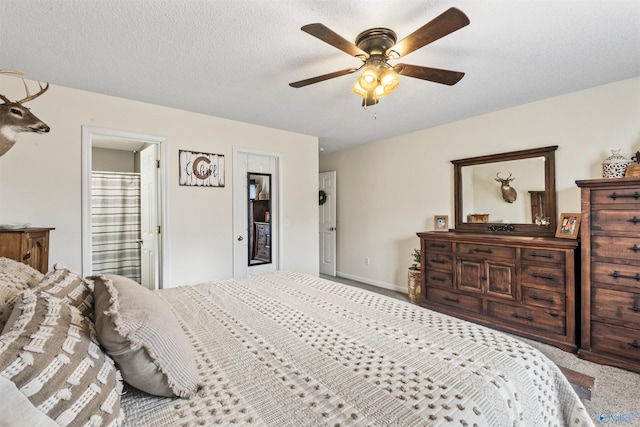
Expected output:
(50, 353)
(69, 286)
(14, 278)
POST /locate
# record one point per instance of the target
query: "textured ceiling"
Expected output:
(235, 58)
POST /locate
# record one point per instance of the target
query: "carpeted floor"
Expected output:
(615, 395)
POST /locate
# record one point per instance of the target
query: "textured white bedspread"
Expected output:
(288, 349)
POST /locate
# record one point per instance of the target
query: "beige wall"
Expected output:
(389, 190)
(40, 180)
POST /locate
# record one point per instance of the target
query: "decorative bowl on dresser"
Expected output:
(610, 234)
(510, 275)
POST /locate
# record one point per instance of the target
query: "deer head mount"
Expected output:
(509, 193)
(15, 117)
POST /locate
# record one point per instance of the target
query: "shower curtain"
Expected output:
(115, 223)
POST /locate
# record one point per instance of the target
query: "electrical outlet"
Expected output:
(367, 261)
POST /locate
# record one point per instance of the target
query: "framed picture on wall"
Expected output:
(441, 223)
(568, 226)
(201, 169)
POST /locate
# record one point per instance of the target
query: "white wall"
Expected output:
(389, 190)
(40, 180)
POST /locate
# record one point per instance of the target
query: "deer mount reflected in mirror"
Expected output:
(510, 193)
(259, 218)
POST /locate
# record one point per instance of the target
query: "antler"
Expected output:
(29, 96)
(507, 179)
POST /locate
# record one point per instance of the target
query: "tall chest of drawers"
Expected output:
(610, 234)
(522, 285)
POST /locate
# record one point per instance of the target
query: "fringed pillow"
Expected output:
(138, 329)
(69, 286)
(50, 353)
(14, 278)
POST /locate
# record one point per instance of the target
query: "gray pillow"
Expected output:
(50, 353)
(139, 330)
(14, 278)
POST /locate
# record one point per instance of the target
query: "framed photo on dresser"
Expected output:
(568, 226)
(441, 223)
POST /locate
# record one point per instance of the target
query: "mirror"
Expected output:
(259, 215)
(511, 193)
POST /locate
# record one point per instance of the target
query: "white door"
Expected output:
(149, 228)
(327, 183)
(243, 163)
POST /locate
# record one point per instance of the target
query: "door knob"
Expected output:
(332, 229)
(240, 238)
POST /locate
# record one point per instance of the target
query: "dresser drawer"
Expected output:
(616, 247)
(616, 197)
(542, 255)
(627, 221)
(439, 262)
(549, 277)
(437, 245)
(615, 274)
(543, 298)
(486, 250)
(616, 305)
(439, 279)
(461, 302)
(615, 340)
(533, 319)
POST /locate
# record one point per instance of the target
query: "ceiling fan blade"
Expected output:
(334, 39)
(449, 21)
(322, 78)
(446, 77)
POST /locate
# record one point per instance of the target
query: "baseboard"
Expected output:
(382, 285)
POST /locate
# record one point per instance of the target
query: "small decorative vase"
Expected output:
(615, 165)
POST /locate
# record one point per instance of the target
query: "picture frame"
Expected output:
(201, 169)
(568, 226)
(441, 223)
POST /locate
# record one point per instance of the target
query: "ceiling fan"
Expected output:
(376, 46)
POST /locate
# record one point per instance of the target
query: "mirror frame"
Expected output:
(514, 228)
(251, 222)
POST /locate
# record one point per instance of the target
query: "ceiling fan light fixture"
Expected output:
(389, 80)
(369, 78)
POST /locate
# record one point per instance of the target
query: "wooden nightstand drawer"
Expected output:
(615, 340)
(535, 319)
(439, 262)
(486, 250)
(623, 307)
(616, 196)
(626, 221)
(439, 279)
(616, 247)
(543, 298)
(462, 302)
(542, 255)
(549, 277)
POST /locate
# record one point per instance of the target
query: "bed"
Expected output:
(290, 349)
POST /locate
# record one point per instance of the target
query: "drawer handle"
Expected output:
(635, 195)
(537, 298)
(486, 251)
(534, 254)
(456, 300)
(635, 308)
(517, 316)
(634, 220)
(438, 261)
(635, 344)
(438, 279)
(26, 256)
(438, 245)
(635, 248)
(543, 276)
(616, 274)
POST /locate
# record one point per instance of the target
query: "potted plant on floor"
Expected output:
(415, 278)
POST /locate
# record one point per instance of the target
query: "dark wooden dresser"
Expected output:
(610, 237)
(522, 285)
(27, 245)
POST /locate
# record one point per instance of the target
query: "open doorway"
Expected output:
(121, 202)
